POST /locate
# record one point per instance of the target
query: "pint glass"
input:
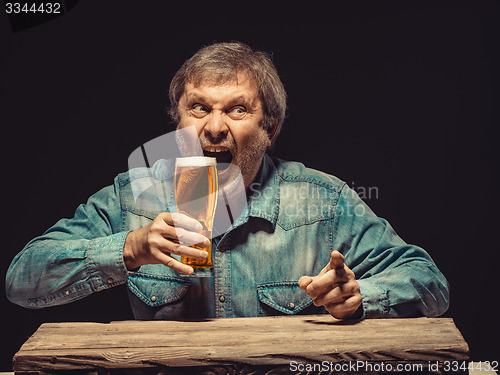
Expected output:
(196, 196)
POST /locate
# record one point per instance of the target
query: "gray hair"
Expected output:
(220, 63)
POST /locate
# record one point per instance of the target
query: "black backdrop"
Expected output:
(397, 99)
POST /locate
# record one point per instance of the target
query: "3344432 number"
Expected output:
(18, 8)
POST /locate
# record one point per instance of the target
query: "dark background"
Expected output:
(401, 97)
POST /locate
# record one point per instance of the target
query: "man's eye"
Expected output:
(199, 108)
(237, 111)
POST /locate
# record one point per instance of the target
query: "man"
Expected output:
(302, 243)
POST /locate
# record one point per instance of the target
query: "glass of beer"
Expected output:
(196, 196)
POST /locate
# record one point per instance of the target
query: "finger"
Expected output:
(173, 263)
(336, 295)
(304, 281)
(159, 243)
(326, 282)
(336, 260)
(186, 237)
(346, 308)
(179, 220)
(184, 251)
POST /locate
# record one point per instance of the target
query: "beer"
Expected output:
(196, 196)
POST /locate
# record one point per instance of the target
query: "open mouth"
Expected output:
(223, 157)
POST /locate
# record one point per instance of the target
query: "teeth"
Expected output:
(213, 149)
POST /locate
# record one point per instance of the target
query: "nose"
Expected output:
(216, 126)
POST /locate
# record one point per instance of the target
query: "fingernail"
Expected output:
(203, 254)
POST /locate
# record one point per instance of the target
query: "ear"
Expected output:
(272, 133)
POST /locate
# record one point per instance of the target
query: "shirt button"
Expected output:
(222, 298)
(153, 298)
(110, 281)
(222, 248)
(292, 305)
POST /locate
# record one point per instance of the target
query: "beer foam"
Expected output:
(196, 161)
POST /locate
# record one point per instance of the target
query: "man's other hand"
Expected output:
(335, 288)
(154, 243)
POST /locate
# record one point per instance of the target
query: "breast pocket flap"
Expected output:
(286, 297)
(157, 290)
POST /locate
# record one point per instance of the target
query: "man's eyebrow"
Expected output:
(195, 97)
(240, 99)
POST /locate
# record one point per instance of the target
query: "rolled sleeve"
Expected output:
(73, 258)
(375, 301)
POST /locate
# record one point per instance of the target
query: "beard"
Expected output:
(241, 163)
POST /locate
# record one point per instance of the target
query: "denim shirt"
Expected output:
(294, 218)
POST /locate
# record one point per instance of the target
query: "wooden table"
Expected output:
(293, 344)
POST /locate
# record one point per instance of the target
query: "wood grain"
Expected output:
(269, 341)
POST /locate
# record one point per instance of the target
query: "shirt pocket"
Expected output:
(284, 297)
(157, 290)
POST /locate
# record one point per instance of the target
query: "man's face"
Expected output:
(227, 120)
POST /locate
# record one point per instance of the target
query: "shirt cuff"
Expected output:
(375, 302)
(104, 261)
